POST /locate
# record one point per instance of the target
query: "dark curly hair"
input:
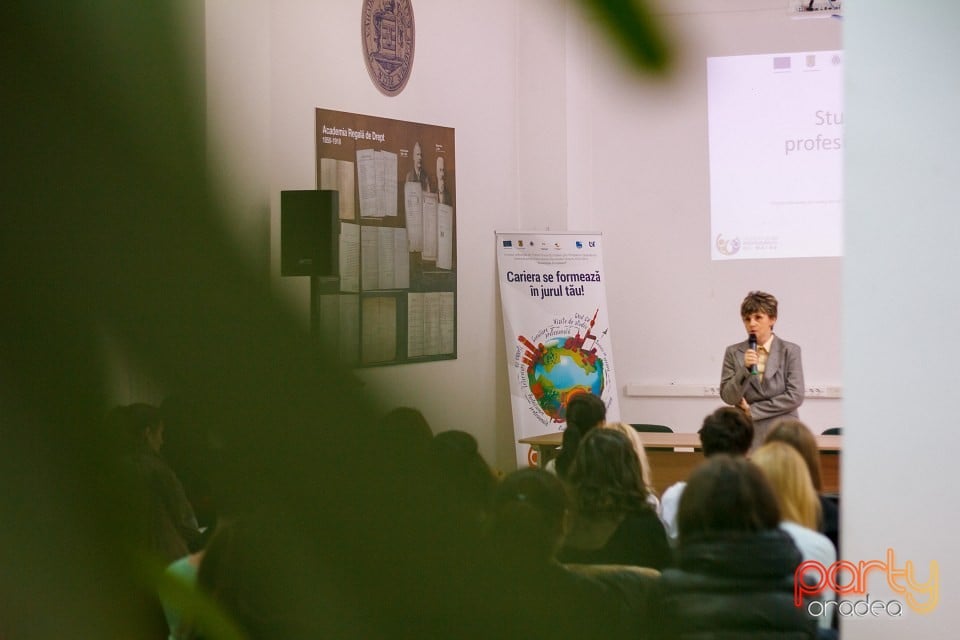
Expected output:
(726, 430)
(606, 476)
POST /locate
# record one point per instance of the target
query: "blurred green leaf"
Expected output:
(634, 32)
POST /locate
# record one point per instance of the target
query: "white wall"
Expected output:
(238, 102)
(635, 167)
(553, 133)
(900, 308)
(646, 178)
(464, 76)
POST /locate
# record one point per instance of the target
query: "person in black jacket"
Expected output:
(735, 567)
(168, 527)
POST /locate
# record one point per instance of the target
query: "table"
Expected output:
(673, 456)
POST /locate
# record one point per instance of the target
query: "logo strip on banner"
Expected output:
(555, 322)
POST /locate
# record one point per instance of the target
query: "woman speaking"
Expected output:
(763, 375)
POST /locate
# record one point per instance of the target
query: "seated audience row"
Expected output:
(729, 430)
(532, 594)
(799, 506)
(798, 435)
(464, 555)
(733, 576)
(735, 566)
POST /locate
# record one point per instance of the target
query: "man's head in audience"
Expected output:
(727, 430)
(606, 476)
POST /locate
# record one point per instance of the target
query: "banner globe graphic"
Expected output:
(562, 367)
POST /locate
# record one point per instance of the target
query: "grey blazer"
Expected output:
(777, 396)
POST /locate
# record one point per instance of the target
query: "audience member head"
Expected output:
(637, 443)
(144, 425)
(726, 495)
(727, 430)
(457, 441)
(606, 477)
(462, 479)
(404, 430)
(584, 412)
(409, 421)
(790, 479)
(529, 514)
(798, 435)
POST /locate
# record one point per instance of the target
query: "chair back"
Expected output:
(652, 428)
(632, 588)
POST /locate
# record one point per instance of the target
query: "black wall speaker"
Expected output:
(309, 229)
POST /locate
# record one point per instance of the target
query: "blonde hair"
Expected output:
(798, 435)
(637, 443)
(790, 478)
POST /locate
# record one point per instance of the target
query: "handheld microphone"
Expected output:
(753, 345)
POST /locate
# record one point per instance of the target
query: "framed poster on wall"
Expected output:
(395, 298)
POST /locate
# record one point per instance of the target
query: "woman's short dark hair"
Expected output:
(726, 494)
(584, 412)
(758, 301)
(606, 476)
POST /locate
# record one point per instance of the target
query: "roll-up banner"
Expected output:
(556, 327)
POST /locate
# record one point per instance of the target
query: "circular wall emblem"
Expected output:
(387, 30)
